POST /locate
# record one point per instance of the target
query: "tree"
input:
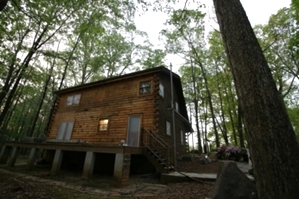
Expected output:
(278, 41)
(29, 31)
(270, 135)
(225, 89)
(185, 37)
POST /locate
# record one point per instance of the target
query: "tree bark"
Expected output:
(270, 135)
(240, 126)
(196, 108)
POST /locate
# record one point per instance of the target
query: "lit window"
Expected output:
(103, 124)
(168, 128)
(145, 87)
(161, 90)
(73, 100)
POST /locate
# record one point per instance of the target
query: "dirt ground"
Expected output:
(17, 182)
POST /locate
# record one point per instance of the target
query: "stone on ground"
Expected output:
(232, 183)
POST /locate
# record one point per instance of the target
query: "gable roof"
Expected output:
(161, 69)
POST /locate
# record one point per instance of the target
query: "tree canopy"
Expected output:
(46, 46)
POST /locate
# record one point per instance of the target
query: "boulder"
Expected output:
(232, 183)
(205, 160)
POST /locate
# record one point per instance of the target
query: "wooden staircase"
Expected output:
(157, 152)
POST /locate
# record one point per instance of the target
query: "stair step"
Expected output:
(158, 160)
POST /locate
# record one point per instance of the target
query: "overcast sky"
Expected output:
(258, 12)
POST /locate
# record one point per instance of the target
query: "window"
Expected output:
(103, 124)
(73, 100)
(182, 137)
(168, 128)
(161, 90)
(177, 106)
(145, 87)
(65, 130)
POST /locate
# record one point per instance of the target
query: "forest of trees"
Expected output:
(47, 46)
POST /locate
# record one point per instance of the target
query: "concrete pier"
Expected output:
(4, 155)
(122, 169)
(32, 157)
(13, 157)
(57, 162)
(88, 164)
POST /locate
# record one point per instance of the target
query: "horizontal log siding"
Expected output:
(115, 101)
(165, 114)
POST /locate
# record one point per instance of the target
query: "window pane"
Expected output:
(145, 87)
(76, 99)
(103, 125)
(133, 132)
(168, 128)
(161, 90)
(177, 106)
(69, 100)
(182, 137)
(68, 130)
(61, 130)
(65, 130)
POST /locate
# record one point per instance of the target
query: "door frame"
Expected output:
(139, 130)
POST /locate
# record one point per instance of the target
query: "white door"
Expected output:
(65, 130)
(133, 131)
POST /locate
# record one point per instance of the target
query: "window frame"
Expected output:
(161, 90)
(177, 107)
(182, 137)
(65, 130)
(73, 100)
(168, 128)
(99, 125)
(148, 88)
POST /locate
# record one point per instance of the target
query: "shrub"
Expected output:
(228, 153)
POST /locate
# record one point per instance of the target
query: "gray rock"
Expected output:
(232, 183)
(205, 160)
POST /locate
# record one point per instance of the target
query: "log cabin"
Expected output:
(120, 124)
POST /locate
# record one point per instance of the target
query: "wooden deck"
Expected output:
(65, 146)
(10, 151)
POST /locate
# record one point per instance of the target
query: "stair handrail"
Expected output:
(157, 138)
(164, 145)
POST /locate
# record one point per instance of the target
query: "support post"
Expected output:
(173, 121)
(57, 162)
(122, 169)
(88, 164)
(13, 157)
(4, 155)
(32, 158)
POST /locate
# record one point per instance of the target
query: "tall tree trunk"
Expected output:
(230, 99)
(195, 101)
(40, 103)
(270, 135)
(222, 124)
(240, 126)
(208, 146)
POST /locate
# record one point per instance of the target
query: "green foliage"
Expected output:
(48, 45)
(277, 38)
(294, 117)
